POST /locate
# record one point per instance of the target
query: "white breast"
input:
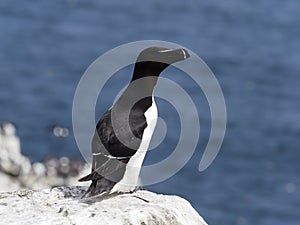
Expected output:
(131, 176)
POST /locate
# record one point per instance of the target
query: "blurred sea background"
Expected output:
(253, 48)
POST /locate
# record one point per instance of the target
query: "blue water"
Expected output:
(252, 47)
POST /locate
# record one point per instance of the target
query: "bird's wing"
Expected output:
(110, 156)
(113, 146)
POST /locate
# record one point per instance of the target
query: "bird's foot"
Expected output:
(137, 188)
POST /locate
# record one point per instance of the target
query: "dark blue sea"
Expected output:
(253, 48)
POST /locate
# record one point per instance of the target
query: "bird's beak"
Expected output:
(185, 53)
(177, 54)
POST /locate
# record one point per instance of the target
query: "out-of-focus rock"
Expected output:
(8, 183)
(8, 138)
(11, 160)
(18, 172)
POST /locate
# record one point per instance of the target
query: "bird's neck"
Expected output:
(138, 94)
(148, 69)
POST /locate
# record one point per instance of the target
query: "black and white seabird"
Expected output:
(123, 134)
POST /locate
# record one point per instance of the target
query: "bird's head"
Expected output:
(152, 61)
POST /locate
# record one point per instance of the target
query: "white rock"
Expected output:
(39, 169)
(7, 128)
(11, 143)
(8, 184)
(16, 170)
(64, 206)
(8, 139)
(11, 160)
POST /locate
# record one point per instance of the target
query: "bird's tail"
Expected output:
(86, 178)
(98, 186)
(92, 176)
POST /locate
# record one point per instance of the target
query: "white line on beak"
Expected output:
(184, 54)
(167, 50)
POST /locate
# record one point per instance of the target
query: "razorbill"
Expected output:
(122, 136)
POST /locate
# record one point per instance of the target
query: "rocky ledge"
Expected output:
(64, 205)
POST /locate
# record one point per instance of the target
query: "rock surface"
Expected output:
(63, 205)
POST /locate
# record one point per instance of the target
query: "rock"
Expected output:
(11, 160)
(18, 172)
(8, 138)
(63, 205)
(8, 183)
(39, 169)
